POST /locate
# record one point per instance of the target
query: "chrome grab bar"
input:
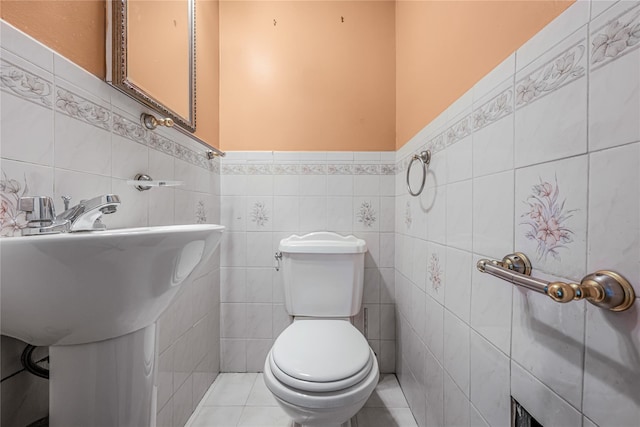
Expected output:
(425, 158)
(604, 288)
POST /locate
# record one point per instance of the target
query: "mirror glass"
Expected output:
(152, 55)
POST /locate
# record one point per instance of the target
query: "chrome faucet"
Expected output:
(85, 216)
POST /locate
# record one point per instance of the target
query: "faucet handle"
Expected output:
(66, 200)
(39, 209)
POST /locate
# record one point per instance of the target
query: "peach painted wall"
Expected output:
(311, 81)
(76, 29)
(444, 47)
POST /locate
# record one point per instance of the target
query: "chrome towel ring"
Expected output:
(424, 157)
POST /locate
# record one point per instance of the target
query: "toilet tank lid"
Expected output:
(323, 242)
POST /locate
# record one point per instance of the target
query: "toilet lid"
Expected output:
(321, 350)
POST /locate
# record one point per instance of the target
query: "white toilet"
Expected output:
(321, 369)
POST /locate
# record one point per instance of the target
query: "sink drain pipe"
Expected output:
(30, 365)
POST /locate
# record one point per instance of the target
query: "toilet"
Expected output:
(321, 369)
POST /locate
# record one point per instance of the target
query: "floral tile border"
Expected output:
(306, 169)
(490, 112)
(556, 73)
(82, 109)
(30, 87)
(616, 38)
(566, 67)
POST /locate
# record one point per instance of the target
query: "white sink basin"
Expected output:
(77, 288)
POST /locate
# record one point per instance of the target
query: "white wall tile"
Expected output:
(491, 307)
(340, 185)
(475, 419)
(259, 185)
(550, 122)
(435, 391)
(284, 185)
(434, 328)
(493, 214)
(259, 318)
(551, 216)
(542, 403)
(614, 215)
(547, 341)
(419, 264)
(235, 249)
(457, 295)
(259, 249)
(339, 214)
(27, 130)
(456, 350)
(81, 146)
(611, 370)
(490, 381)
(493, 147)
(129, 158)
(233, 321)
(313, 213)
(460, 160)
(232, 284)
(366, 185)
(459, 215)
(614, 89)
(456, 405)
(257, 351)
(260, 213)
(436, 279)
(259, 285)
(26, 47)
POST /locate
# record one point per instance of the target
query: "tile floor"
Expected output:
(243, 400)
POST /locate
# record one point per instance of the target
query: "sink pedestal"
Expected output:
(107, 383)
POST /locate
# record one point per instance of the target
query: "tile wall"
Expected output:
(65, 132)
(267, 196)
(541, 156)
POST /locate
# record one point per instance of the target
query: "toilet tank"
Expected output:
(323, 274)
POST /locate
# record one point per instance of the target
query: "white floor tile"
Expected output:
(264, 416)
(260, 394)
(243, 400)
(387, 394)
(231, 390)
(385, 417)
(217, 416)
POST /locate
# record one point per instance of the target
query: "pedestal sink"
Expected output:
(94, 298)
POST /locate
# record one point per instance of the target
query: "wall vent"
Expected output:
(520, 417)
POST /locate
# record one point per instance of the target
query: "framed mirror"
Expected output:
(151, 55)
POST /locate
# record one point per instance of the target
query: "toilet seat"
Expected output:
(320, 355)
(319, 386)
(354, 395)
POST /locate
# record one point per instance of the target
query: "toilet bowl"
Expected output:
(321, 371)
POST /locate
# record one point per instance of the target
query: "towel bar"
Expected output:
(604, 288)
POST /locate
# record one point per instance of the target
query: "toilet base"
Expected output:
(320, 418)
(345, 424)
